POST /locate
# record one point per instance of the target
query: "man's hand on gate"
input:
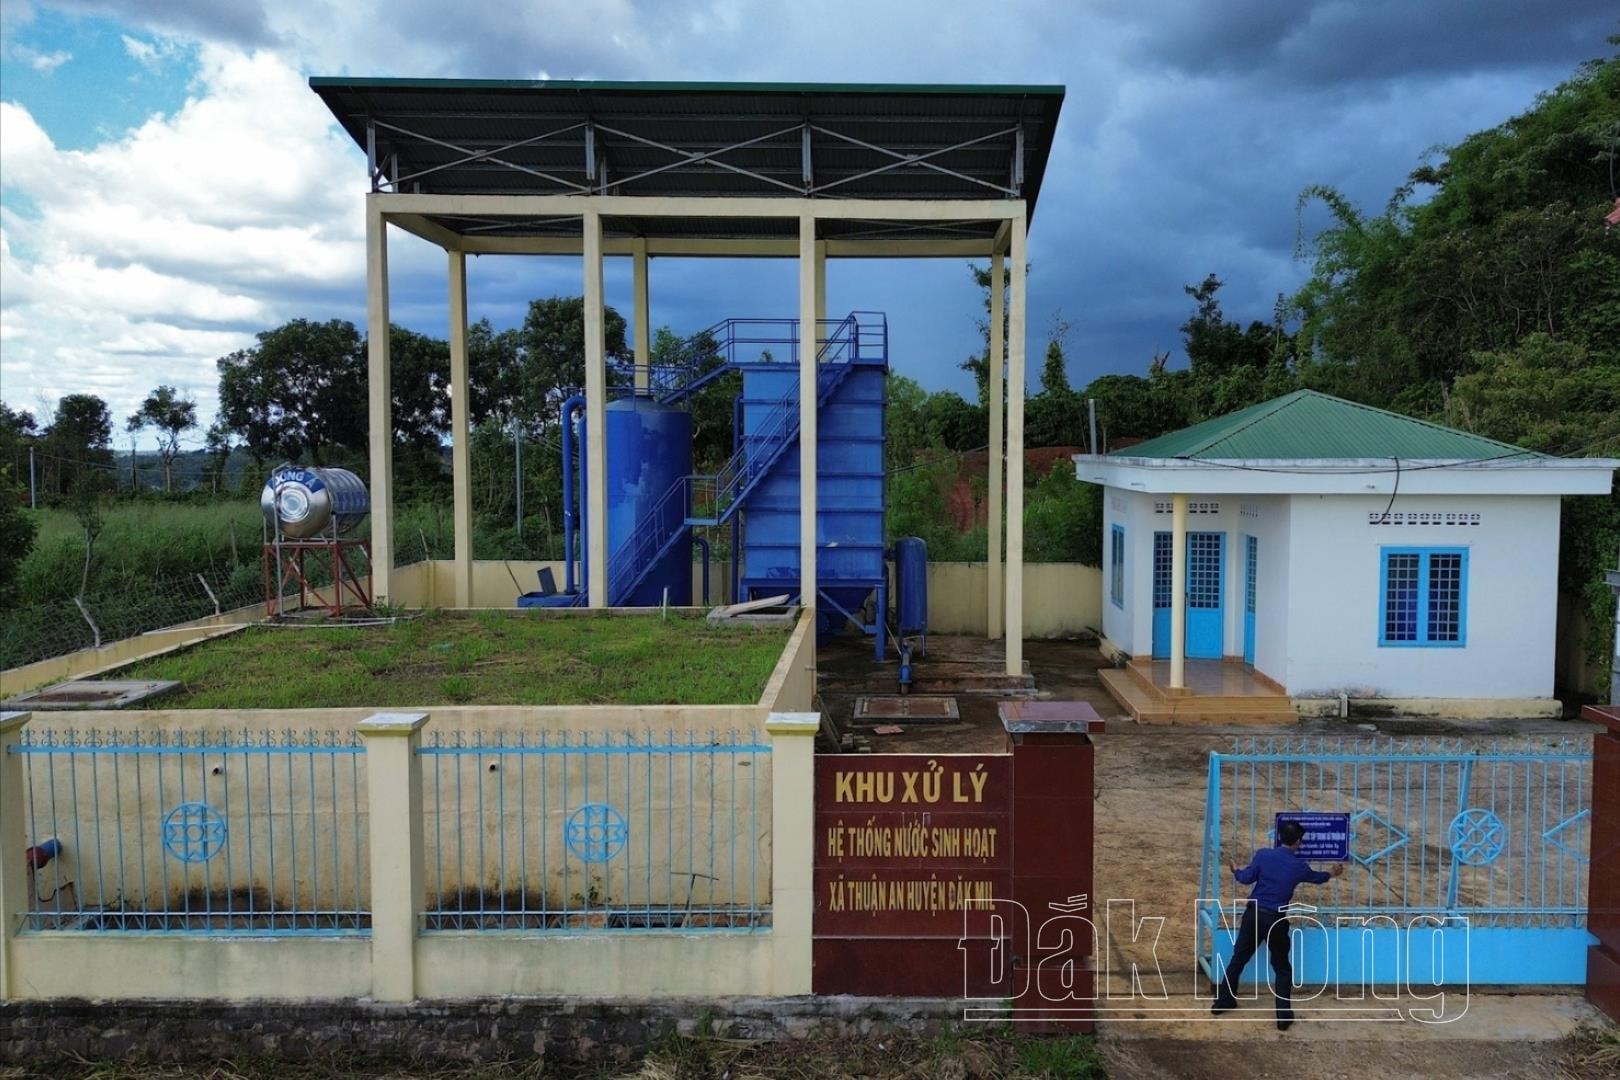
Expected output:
(1338, 869)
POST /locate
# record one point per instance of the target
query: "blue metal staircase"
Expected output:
(715, 498)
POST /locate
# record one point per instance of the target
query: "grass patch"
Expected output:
(491, 658)
(976, 1056)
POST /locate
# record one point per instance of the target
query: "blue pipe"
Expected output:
(736, 519)
(704, 544)
(570, 516)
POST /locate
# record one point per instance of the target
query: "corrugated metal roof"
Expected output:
(867, 141)
(1306, 425)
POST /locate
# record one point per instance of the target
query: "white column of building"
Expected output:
(998, 414)
(1178, 592)
(1017, 313)
(809, 382)
(379, 402)
(639, 312)
(821, 279)
(595, 413)
(460, 430)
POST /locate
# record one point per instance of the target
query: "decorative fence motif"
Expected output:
(1497, 835)
(198, 832)
(618, 831)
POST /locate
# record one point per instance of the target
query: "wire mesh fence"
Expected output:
(31, 632)
(196, 831)
(616, 831)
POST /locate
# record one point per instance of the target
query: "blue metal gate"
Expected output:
(1161, 595)
(1467, 862)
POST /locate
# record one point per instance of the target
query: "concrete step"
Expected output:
(1148, 707)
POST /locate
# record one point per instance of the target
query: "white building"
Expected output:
(1324, 548)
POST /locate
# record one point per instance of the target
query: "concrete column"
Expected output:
(1017, 316)
(640, 314)
(1178, 592)
(394, 810)
(460, 431)
(809, 381)
(998, 416)
(595, 412)
(13, 843)
(793, 848)
(380, 402)
(821, 279)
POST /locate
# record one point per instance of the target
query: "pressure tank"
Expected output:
(305, 501)
(649, 449)
(911, 581)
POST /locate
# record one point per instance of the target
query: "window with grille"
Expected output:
(1424, 597)
(1116, 568)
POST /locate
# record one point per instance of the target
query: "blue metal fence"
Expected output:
(196, 831)
(606, 831)
(1496, 836)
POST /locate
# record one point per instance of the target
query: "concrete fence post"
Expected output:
(793, 793)
(13, 845)
(394, 811)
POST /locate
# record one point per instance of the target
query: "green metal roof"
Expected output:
(1307, 425)
(854, 141)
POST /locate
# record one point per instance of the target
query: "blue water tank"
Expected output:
(649, 450)
(911, 585)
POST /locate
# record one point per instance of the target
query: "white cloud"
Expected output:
(152, 254)
(44, 63)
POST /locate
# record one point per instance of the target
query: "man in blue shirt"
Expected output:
(1275, 873)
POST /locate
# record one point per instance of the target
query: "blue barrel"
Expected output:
(649, 450)
(911, 585)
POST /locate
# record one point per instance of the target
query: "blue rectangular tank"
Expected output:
(850, 502)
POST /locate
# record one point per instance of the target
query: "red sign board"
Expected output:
(903, 843)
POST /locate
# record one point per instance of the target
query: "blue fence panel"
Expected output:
(605, 831)
(218, 832)
(1496, 836)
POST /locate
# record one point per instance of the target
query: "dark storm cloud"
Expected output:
(1338, 41)
(241, 22)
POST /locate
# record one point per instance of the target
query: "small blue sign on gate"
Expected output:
(1327, 836)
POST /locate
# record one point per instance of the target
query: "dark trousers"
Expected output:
(1260, 924)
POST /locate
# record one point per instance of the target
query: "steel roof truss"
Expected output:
(708, 157)
(922, 160)
(473, 156)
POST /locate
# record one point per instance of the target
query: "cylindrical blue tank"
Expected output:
(649, 450)
(911, 585)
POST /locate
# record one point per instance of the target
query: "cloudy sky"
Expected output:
(169, 185)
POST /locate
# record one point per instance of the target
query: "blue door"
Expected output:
(1251, 570)
(1206, 622)
(1161, 595)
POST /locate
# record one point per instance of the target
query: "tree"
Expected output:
(170, 415)
(17, 531)
(18, 432)
(495, 370)
(712, 404)
(78, 445)
(217, 442)
(1055, 369)
(553, 343)
(300, 392)
(978, 365)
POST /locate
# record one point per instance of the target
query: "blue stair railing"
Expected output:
(714, 498)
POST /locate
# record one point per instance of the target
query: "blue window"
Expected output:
(1116, 567)
(1423, 597)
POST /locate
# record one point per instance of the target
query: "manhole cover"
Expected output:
(911, 709)
(92, 694)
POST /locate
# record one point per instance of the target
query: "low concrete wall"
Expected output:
(497, 583)
(1060, 599)
(455, 965)
(135, 967)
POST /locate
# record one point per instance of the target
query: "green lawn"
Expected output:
(491, 658)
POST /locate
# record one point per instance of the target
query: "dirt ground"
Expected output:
(1150, 792)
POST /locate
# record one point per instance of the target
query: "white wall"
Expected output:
(1130, 628)
(1333, 598)
(1267, 520)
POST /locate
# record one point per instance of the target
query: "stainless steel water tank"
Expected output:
(306, 500)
